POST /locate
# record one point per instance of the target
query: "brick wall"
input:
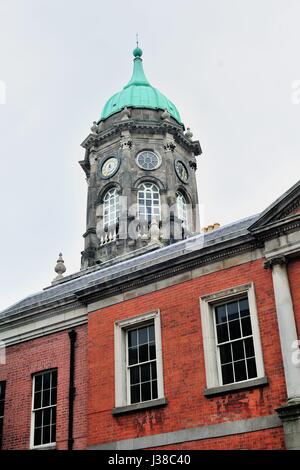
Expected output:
(183, 362)
(22, 360)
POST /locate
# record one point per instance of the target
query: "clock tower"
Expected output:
(140, 167)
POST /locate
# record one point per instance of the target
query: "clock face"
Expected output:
(181, 171)
(109, 167)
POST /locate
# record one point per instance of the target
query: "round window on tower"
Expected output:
(148, 160)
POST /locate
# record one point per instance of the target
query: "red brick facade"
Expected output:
(250, 415)
(33, 356)
(183, 364)
(183, 370)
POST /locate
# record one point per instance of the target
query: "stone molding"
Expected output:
(193, 434)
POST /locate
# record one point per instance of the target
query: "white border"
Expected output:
(211, 359)
(121, 381)
(50, 444)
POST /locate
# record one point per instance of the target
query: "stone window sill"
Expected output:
(139, 406)
(44, 447)
(235, 387)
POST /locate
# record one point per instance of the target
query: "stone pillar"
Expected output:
(289, 413)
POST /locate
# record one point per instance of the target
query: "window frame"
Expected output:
(32, 425)
(184, 208)
(122, 381)
(113, 209)
(211, 349)
(159, 160)
(128, 367)
(145, 218)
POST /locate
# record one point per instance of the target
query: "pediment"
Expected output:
(285, 207)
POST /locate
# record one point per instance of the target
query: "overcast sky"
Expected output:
(228, 65)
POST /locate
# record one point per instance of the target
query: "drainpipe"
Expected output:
(72, 388)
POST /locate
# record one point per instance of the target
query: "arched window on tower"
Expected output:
(111, 208)
(148, 202)
(182, 211)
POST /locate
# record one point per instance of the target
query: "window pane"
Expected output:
(46, 397)
(227, 374)
(46, 380)
(221, 314)
(46, 434)
(37, 400)
(132, 338)
(54, 378)
(234, 329)
(53, 396)
(240, 371)
(238, 350)
(252, 372)
(37, 436)
(232, 311)
(143, 353)
(146, 391)
(46, 416)
(249, 347)
(246, 326)
(143, 335)
(135, 393)
(225, 353)
(244, 307)
(222, 333)
(133, 357)
(2, 390)
(154, 390)
(53, 415)
(152, 351)
(145, 373)
(134, 375)
(151, 333)
(53, 433)
(38, 418)
(1, 408)
(153, 370)
(38, 383)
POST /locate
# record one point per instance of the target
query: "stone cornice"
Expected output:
(276, 228)
(186, 262)
(38, 322)
(28, 313)
(186, 259)
(143, 126)
(280, 209)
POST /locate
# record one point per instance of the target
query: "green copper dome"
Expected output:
(138, 93)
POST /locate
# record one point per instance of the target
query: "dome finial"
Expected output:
(137, 51)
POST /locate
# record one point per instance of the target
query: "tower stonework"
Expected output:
(140, 167)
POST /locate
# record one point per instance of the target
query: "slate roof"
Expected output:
(75, 282)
